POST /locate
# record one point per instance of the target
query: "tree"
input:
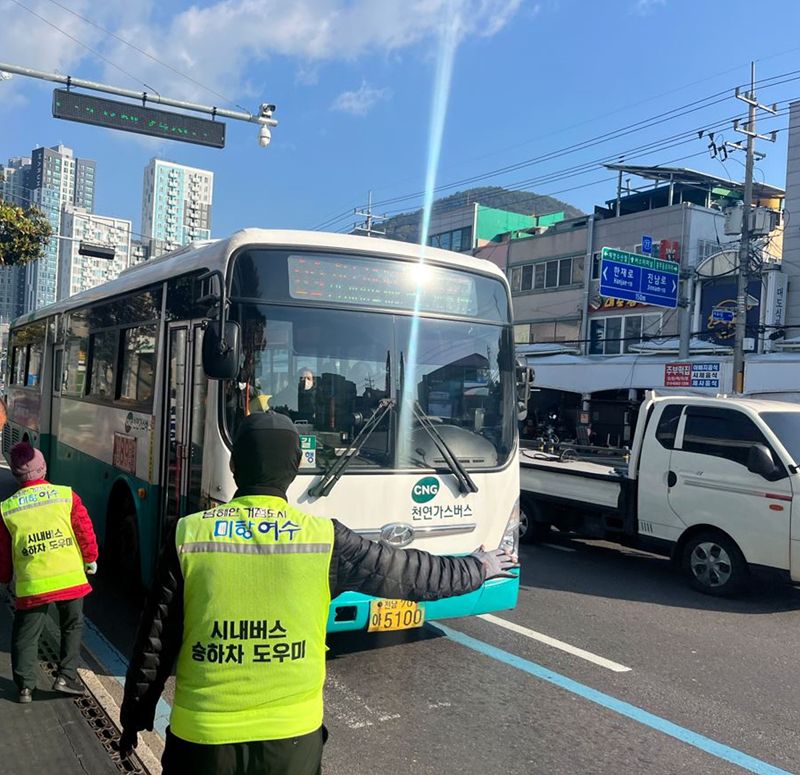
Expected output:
(24, 233)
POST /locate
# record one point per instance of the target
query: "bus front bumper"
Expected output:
(350, 610)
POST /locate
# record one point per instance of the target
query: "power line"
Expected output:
(148, 54)
(691, 107)
(661, 145)
(644, 150)
(649, 149)
(81, 43)
(647, 123)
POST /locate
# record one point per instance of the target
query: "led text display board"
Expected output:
(111, 114)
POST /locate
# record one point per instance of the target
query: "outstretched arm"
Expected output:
(361, 565)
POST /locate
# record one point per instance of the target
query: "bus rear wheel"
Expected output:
(122, 552)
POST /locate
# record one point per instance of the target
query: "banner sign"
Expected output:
(693, 375)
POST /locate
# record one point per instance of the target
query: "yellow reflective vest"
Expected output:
(44, 549)
(256, 596)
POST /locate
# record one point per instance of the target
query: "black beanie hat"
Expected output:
(266, 451)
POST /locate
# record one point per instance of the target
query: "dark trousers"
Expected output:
(25, 633)
(293, 756)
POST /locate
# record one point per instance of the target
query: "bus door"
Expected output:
(184, 421)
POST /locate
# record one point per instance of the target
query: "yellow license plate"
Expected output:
(387, 615)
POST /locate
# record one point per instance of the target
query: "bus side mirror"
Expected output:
(222, 350)
(525, 375)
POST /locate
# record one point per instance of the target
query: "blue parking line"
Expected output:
(117, 666)
(687, 736)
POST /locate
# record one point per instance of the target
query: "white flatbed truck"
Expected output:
(713, 483)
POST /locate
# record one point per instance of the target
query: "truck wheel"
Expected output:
(714, 564)
(531, 528)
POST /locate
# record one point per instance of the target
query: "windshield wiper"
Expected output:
(465, 481)
(334, 473)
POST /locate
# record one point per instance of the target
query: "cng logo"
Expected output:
(425, 489)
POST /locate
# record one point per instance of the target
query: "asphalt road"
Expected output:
(710, 682)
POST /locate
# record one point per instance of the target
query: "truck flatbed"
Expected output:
(578, 481)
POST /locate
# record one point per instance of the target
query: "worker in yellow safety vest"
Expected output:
(241, 601)
(47, 541)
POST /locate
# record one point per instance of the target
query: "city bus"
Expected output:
(133, 391)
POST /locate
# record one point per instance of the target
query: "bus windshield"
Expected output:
(328, 369)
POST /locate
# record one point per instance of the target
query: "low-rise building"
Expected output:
(594, 356)
(554, 274)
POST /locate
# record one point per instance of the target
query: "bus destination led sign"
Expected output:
(111, 114)
(388, 284)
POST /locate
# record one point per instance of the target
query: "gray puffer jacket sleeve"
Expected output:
(375, 568)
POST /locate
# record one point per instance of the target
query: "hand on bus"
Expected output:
(497, 563)
(90, 568)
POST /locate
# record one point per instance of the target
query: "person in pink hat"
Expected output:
(47, 542)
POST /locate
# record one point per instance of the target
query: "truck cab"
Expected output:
(717, 480)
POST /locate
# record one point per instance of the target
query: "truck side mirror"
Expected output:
(222, 350)
(759, 461)
(525, 376)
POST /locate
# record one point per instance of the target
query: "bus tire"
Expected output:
(122, 550)
(714, 564)
(532, 526)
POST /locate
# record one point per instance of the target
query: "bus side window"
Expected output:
(103, 358)
(19, 358)
(138, 363)
(75, 371)
(34, 364)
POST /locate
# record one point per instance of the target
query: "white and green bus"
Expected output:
(133, 391)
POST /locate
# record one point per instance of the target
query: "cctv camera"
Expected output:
(264, 136)
(266, 109)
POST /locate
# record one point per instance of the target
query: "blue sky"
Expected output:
(353, 79)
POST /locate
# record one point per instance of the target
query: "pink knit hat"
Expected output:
(27, 463)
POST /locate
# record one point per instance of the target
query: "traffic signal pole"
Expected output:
(263, 116)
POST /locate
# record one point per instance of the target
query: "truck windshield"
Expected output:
(328, 369)
(786, 426)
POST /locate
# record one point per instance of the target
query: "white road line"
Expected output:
(557, 644)
(560, 548)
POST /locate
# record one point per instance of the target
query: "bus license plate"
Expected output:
(387, 615)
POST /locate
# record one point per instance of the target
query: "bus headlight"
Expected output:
(510, 540)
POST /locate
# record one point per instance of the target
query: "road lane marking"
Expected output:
(684, 735)
(350, 708)
(556, 644)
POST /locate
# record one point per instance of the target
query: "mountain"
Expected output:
(406, 225)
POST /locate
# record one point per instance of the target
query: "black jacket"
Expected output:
(357, 564)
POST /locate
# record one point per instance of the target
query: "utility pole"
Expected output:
(366, 226)
(743, 273)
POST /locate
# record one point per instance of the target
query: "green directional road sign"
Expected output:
(639, 278)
